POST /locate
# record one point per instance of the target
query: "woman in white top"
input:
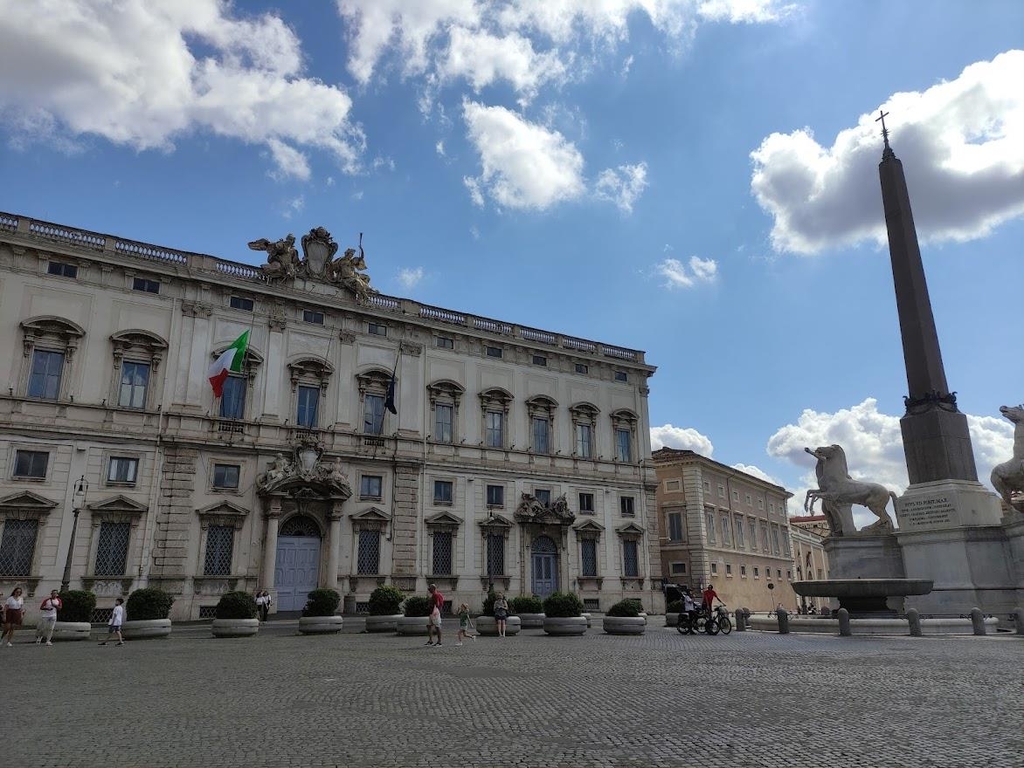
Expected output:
(14, 612)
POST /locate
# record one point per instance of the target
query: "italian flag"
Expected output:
(230, 361)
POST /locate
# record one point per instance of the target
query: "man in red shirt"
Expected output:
(709, 597)
(434, 622)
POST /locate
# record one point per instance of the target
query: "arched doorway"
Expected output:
(297, 569)
(544, 561)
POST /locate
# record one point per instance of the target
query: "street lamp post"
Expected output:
(81, 489)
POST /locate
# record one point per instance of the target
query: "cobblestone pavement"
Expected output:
(662, 699)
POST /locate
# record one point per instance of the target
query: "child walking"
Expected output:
(116, 620)
(464, 624)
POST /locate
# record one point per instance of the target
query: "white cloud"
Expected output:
(523, 165)
(483, 59)
(474, 232)
(383, 162)
(750, 469)
(439, 148)
(357, 195)
(410, 277)
(679, 275)
(289, 161)
(962, 146)
(744, 11)
(144, 74)
(623, 185)
(293, 206)
(683, 438)
(330, 181)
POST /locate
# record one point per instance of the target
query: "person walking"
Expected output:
(434, 622)
(261, 605)
(464, 624)
(14, 612)
(48, 617)
(500, 613)
(709, 598)
(116, 620)
(267, 602)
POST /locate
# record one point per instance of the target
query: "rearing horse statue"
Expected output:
(1008, 477)
(837, 490)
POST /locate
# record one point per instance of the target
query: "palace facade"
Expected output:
(516, 457)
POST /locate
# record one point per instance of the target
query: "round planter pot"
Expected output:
(671, 619)
(531, 620)
(382, 623)
(146, 629)
(71, 630)
(320, 625)
(589, 618)
(486, 625)
(569, 625)
(412, 625)
(625, 625)
(235, 627)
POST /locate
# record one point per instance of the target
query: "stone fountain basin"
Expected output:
(841, 588)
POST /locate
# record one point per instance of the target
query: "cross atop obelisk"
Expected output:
(936, 440)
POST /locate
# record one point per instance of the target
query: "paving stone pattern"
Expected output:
(661, 699)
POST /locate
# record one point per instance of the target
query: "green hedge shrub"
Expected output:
(417, 606)
(624, 608)
(148, 604)
(563, 605)
(489, 603)
(236, 605)
(322, 602)
(76, 605)
(676, 606)
(526, 604)
(386, 601)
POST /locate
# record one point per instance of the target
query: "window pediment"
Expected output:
(52, 331)
(625, 416)
(374, 380)
(445, 389)
(223, 513)
(444, 521)
(541, 405)
(26, 506)
(588, 529)
(496, 398)
(117, 506)
(137, 343)
(630, 531)
(372, 519)
(584, 411)
(496, 524)
(252, 356)
(310, 369)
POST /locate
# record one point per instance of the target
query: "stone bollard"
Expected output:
(978, 621)
(1018, 617)
(783, 621)
(844, 622)
(741, 620)
(914, 619)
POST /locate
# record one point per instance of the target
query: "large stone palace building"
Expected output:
(514, 457)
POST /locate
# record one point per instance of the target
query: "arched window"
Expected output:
(373, 392)
(49, 347)
(235, 397)
(495, 404)
(624, 430)
(444, 402)
(309, 377)
(584, 423)
(137, 357)
(541, 412)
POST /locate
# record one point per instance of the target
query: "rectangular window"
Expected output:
(444, 342)
(122, 469)
(495, 554)
(588, 557)
(312, 316)
(31, 464)
(630, 560)
(495, 495)
(443, 491)
(17, 547)
(541, 435)
(368, 556)
(373, 414)
(543, 495)
(232, 399)
(707, 486)
(709, 524)
(714, 569)
(775, 540)
(370, 486)
(771, 508)
(721, 491)
(789, 574)
(748, 500)
(757, 572)
(726, 531)
(309, 402)
(145, 285)
(444, 415)
(581, 368)
(112, 549)
(62, 270)
(753, 534)
(678, 568)
(226, 475)
(621, 376)
(764, 537)
(626, 508)
(738, 529)
(735, 495)
(728, 569)
(587, 503)
(442, 553)
(760, 504)
(494, 436)
(623, 445)
(778, 573)
(540, 360)
(377, 329)
(785, 543)
(493, 351)
(743, 571)
(44, 379)
(134, 383)
(238, 302)
(220, 547)
(675, 526)
(673, 485)
(584, 441)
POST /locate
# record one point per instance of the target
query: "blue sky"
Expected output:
(695, 178)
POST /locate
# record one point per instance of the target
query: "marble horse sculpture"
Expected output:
(838, 492)
(1008, 477)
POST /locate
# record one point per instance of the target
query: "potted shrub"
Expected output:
(563, 614)
(147, 611)
(319, 616)
(75, 615)
(672, 611)
(385, 609)
(417, 616)
(236, 616)
(530, 611)
(485, 623)
(624, 618)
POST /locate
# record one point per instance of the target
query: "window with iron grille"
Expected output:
(17, 547)
(495, 496)
(61, 270)
(587, 503)
(220, 546)
(675, 526)
(495, 554)
(112, 549)
(44, 379)
(368, 557)
(232, 399)
(588, 560)
(225, 475)
(208, 612)
(630, 560)
(145, 286)
(443, 418)
(626, 507)
(134, 382)
(442, 553)
(31, 464)
(443, 491)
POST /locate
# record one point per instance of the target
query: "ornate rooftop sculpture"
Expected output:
(1008, 477)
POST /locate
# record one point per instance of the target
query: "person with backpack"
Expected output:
(48, 617)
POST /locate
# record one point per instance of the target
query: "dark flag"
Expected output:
(389, 401)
